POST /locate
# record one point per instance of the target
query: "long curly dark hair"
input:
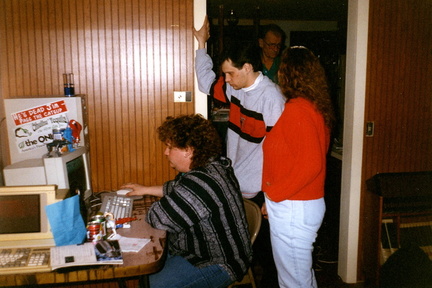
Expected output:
(192, 131)
(302, 75)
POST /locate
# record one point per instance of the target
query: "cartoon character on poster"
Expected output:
(35, 127)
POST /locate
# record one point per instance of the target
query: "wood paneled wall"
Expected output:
(127, 56)
(398, 89)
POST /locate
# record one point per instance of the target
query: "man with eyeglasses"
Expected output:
(271, 40)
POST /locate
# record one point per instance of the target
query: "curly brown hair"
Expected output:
(192, 131)
(302, 75)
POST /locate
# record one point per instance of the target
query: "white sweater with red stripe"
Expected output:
(253, 111)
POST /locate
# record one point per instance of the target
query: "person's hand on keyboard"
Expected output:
(139, 190)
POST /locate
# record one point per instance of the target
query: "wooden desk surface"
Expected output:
(149, 259)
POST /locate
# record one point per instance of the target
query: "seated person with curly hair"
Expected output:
(201, 209)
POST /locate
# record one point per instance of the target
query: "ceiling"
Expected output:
(305, 10)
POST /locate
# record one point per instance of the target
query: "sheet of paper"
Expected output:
(132, 244)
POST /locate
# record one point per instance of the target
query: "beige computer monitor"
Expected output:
(23, 220)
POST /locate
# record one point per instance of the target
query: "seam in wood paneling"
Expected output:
(127, 56)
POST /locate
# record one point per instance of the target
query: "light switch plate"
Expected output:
(370, 129)
(182, 96)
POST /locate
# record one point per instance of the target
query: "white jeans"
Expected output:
(293, 230)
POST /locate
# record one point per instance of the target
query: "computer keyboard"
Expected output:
(23, 260)
(120, 207)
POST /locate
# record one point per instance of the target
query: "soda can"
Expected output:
(94, 231)
(102, 220)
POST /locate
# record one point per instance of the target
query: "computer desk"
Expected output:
(148, 260)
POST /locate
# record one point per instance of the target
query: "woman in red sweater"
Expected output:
(295, 166)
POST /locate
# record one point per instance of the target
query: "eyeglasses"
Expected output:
(273, 45)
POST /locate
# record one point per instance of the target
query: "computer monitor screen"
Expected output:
(70, 171)
(76, 171)
(20, 214)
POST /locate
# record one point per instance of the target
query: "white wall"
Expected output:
(3, 138)
(200, 9)
(355, 85)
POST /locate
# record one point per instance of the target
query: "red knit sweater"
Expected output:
(295, 154)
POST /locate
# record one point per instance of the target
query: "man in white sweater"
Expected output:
(255, 105)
